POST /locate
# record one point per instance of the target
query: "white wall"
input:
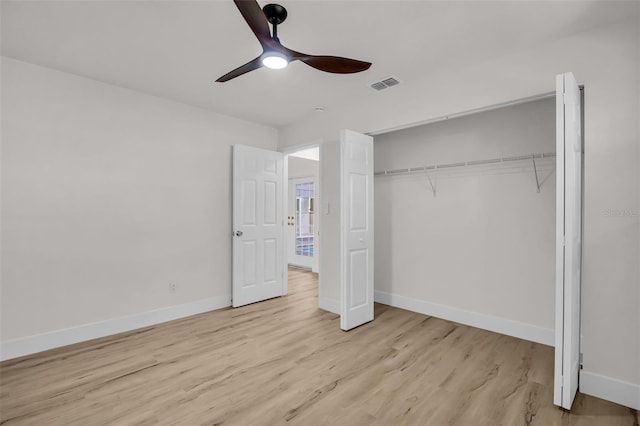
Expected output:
(302, 167)
(485, 243)
(108, 195)
(606, 60)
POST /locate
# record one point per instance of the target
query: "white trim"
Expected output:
(614, 390)
(330, 305)
(285, 211)
(295, 265)
(319, 219)
(509, 327)
(40, 342)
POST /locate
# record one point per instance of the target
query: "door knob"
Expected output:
(238, 233)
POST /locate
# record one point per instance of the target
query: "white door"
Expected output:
(568, 238)
(356, 198)
(258, 225)
(301, 222)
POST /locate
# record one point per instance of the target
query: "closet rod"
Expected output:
(465, 163)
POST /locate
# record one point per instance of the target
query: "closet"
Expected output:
(465, 219)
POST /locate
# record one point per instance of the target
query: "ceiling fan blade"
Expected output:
(249, 66)
(253, 14)
(333, 64)
(336, 64)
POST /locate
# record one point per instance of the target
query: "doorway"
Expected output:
(302, 207)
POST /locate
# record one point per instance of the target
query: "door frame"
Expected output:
(290, 150)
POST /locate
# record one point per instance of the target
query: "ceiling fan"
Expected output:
(274, 54)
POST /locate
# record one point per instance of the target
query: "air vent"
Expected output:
(385, 83)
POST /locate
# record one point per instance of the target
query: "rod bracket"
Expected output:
(431, 183)
(535, 171)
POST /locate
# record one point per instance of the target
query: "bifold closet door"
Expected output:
(568, 238)
(356, 187)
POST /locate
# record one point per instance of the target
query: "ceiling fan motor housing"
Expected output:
(275, 13)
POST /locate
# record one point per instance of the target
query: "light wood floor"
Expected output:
(284, 361)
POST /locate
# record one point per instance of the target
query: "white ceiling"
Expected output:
(309, 154)
(177, 49)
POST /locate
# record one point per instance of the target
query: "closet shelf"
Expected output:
(465, 164)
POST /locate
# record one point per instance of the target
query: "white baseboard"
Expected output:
(306, 267)
(37, 343)
(534, 333)
(330, 305)
(614, 390)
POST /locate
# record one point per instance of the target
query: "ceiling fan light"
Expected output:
(275, 60)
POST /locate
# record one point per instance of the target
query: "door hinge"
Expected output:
(581, 359)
